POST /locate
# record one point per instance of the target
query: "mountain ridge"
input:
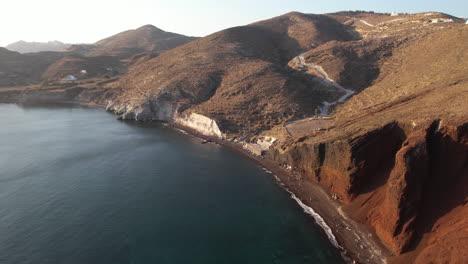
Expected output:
(31, 47)
(147, 38)
(125, 48)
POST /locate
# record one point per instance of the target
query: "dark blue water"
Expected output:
(77, 186)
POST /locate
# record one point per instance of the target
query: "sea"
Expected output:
(78, 186)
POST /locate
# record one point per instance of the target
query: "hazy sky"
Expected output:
(86, 21)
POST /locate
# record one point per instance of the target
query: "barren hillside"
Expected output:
(106, 58)
(84, 67)
(238, 76)
(395, 154)
(131, 42)
(21, 69)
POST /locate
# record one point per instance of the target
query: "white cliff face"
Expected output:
(164, 110)
(160, 110)
(201, 124)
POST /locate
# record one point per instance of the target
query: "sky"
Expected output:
(87, 21)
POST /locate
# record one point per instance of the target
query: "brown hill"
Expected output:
(238, 75)
(21, 69)
(102, 59)
(131, 42)
(84, 67)
(81, 49)
(395, 154)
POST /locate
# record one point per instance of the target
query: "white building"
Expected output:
(441, 20)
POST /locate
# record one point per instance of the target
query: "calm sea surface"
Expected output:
(78, 186)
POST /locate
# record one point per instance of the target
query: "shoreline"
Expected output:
(355, 242)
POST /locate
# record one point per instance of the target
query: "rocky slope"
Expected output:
(29, 47)
(396, 153)
(238, 76)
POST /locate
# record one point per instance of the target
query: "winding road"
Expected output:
(366, 23)
(326, 105)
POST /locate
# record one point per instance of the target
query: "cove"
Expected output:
(78, 186)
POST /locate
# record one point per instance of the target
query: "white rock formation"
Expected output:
(160, 110)
(200, 123)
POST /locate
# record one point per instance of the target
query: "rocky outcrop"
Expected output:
(165, 110)
(157, 110)
(202, 124)
(346, 167)
(396, 221)
(407, 179)
(428, 180)
(421, 171)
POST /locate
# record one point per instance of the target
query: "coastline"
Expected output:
(356, 243)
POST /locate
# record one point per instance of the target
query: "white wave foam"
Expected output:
(318, 219)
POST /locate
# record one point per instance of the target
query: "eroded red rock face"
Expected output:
(428, 181)
(396, 153)
(347, 167)
(395, 220)
(422, 173)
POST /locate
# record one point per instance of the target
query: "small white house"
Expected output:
(466, 22)
(84, 72)
(442, 20)
(394, 14)
(69, 78)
